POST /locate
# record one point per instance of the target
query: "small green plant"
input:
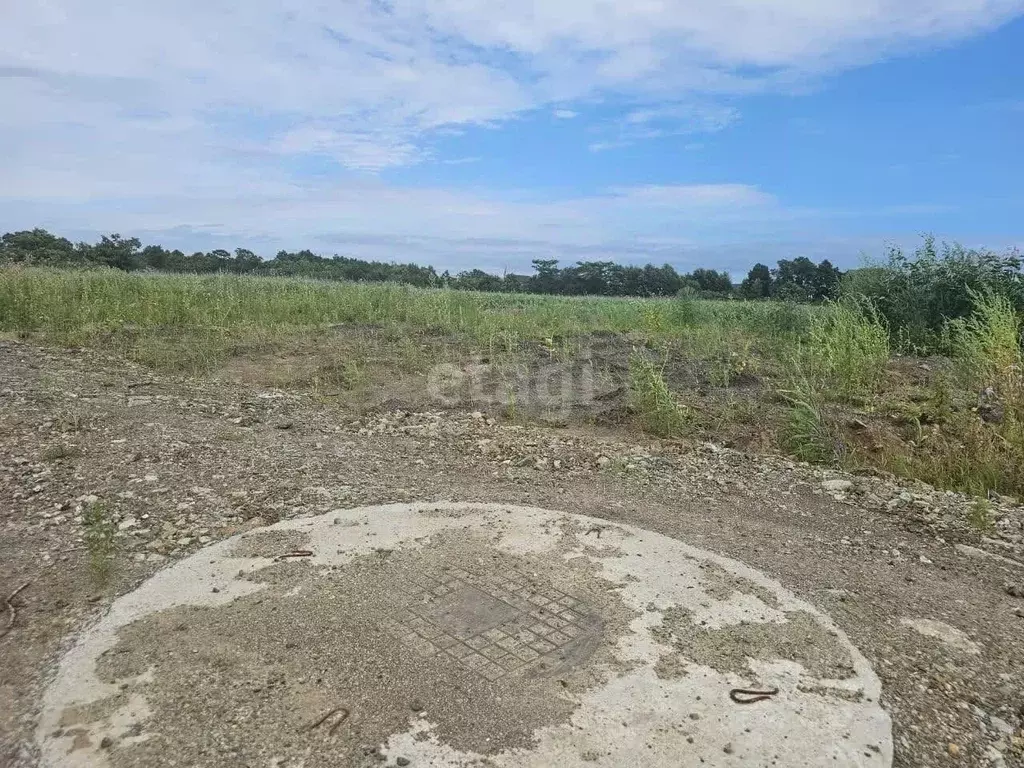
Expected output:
(651, 400)
(510, 402)
(980, 516)
(99, 539)
(807, 434)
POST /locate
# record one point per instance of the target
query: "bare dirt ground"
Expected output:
(180, 463)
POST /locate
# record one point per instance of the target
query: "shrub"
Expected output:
(918, 296)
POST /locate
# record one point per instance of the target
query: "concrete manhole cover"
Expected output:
(461, 635)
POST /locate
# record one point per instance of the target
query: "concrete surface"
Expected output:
(460, 635)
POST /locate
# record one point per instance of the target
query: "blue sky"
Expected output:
(486, 133)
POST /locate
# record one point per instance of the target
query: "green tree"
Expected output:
(547, 278)
(118, 252)
(711, 283)
(37, 246)
(758, 283)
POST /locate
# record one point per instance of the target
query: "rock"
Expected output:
(1000, 725)
(924, 560)
(953, 749)
(727, 749)
(106, 742)
(402, 761)
(939, 630)
(837, 485)
(1014, 590)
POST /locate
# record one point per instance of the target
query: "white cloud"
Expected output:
(654, 121)
(201, 113)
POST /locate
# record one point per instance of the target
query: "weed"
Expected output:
(510, 403)
(807, 435)
(847, 349)
(69, 419)
(980, 516)
(99, 539)
(651, 400)
(987, 347)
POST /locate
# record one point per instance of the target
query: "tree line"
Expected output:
(797, 279)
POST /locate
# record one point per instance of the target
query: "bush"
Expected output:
(918, 296)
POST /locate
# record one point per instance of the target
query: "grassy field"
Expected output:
(819, 383)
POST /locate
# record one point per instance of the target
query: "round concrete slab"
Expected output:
(461, 635)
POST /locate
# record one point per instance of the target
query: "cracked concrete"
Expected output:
(460, 635)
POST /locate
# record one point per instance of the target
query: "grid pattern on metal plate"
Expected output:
(493, 625)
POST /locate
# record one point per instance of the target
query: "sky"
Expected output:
(487, 133)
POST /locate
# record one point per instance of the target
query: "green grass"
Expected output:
(195, 323)
(74, 306)
(733, 356)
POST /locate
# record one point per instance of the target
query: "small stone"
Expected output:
(1014, 590)
(215, 589)
(727, 749)
(837, 486)
(603, 461)
(924, 560)
(1019, 613)
(106, 742)
(402, 761)
(416, 705)
(284, 425)
(954, 750)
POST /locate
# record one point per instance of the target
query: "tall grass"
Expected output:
(197, 321)
(975, 441)
(651, 401)
(75, 304)
(847, 350)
